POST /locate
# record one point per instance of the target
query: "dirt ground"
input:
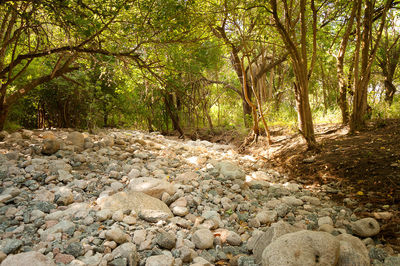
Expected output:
(364, 166)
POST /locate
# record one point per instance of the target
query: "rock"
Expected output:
(153, 216)
(2, 254)
(117, 235)
(11, 245)
(118, 216)
(203, 239)
(107, 141)
(365, 227)
(166, 240)
(50, 146)
(48, 135)
(230, 170)
(199, 261)
(77, 139)
(233, 239)
(63, 227)
(75, 249)
(152, 186)
(141, 203)
(64, 196)
(392, 261)
(325, 220)
(64, 176)
(273, 232)
(160, 260)
(267, 216)
(128, 252)
(12, 155)
(292, 201)
(352, 251)
(63, 258)
(28, 259)
(377, 254)
(56, 165)
(383, 215)
(302, 248)
(103, 215)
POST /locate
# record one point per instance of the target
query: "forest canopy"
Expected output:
(165, 65)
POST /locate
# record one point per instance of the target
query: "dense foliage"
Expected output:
(182, 65)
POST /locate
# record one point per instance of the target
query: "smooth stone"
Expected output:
(64, 196)
(275, 231)
(325, 220)
(77, 139)
(302, 248)
(28, 259)
(166, 240)
(203, 239)
(267, 216)
(50, 146)
(11, 245)
(365, 227)
(145, 205)
(127, 251)
(352, 251)
(230, 170)
(233, 239)
(160, 260)
(152, 186)
(117, 235)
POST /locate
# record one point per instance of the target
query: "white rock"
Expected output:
(152, 186)
(302, 248)
(267, 216)
(325, 220)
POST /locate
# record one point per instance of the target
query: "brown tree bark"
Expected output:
(365, 52)
(298, 53)
(340, 67)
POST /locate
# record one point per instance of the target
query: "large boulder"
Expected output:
(152, 186)
(139, 202)
(263, 240)
(352, 251)
(230, 170)
(28, 259)
(302, 248)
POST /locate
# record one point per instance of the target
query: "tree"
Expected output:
(298, 52)
(364, 56)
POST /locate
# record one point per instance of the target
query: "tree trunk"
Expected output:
(390, 90)
(3, 116)
(171, 110)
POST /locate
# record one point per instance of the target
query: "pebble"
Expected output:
(123, 197)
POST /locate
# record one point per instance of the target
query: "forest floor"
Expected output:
(364, 166)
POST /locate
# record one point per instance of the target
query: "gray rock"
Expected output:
(152, 186)
(325, 220)
(153, 216)
(128, 252)
(117, 235)
(103, 215)
(50, 146)
(28, 259)
(11, 245)
(160, 260)
(366, 227)
(377, 253)
(275, 231)
(230, 170)
(166, 240)
(63, 227)
(75, 249)
(12, 155)
(203, 239)
(352, 251)
(141, 203)
(302, 248)
(64, 176)
(292, 201)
